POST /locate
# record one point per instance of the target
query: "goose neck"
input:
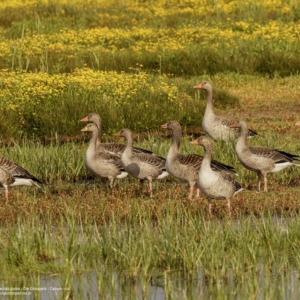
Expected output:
(207, 155)
(94, 142)
(242, 141)
(129, 146)
(175, 145)
(209, 100)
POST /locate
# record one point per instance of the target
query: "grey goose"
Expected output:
(141, 165)
(185, 167)
(217, 127)
(12, 174)
(261, 160)
(214, 184)
(99, 162)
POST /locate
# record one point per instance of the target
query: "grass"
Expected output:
(179, 244)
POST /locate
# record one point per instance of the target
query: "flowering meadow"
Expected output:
(133, 61)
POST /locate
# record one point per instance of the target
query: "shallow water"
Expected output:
(93, 286)
(260, 283)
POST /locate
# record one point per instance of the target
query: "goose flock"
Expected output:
(208, 176)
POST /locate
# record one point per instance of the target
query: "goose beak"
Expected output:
(86, 119)
(84, 129)
(164, 125)
(198, 86)
(194, 142)
(118, 133)
(298, 123)
(234, 125)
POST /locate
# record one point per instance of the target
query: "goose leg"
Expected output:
(259, 181)
(228, 205)
(150, 188)
(209, 208)
(197, 192)
(141, 185)
(6, 194)
(111, 182)
(265, 183)
(191, 192)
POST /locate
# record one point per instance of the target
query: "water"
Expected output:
(279, 285)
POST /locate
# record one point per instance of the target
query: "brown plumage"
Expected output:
(261, 160)
(101, 162)
(185, 167)
(217, 127)
(214, 184)
(141, 165)
(12, 174)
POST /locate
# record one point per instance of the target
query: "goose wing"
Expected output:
(218, 166)
(110, 158)
(113, 148)
(277, 156)
(195, 161)
(153, 160)
(228, 178)
(5, 177)
(224, 121)
(16, 170)
(117, 149)
(192, 160)
(227, 123)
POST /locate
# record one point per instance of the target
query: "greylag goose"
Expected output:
(100, 163)
(141, 165)
(261, 160)
(217, 127)
(214, 184)
(185, 167)
(12, 174)
(112, 148)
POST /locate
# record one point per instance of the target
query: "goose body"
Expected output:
(261, 160)
(99, 162)
(12, 174)
(141, 165)
(185, 167)
(111, 148)
(214, 184)
(217, 127)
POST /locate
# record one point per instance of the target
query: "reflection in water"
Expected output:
(278, 284)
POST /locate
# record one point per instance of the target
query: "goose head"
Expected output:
(126, 133)
(92, 117)
(172, 125)
(91, 127)
(205, 85)
(204, 141)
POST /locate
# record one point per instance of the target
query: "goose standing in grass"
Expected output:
(214, 184)
(112, 148)
(217, 127)
(12, 174)
(261, 160)
(185, 167)
(100, 162)
(141, 165)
